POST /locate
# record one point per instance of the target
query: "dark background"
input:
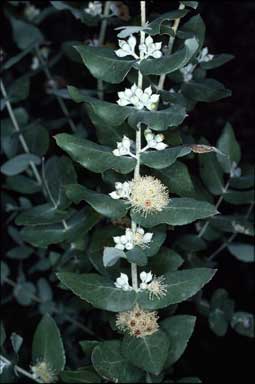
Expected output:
(230, 29)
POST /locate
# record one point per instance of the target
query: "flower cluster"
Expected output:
(155, 285)
(204, 56)
(123, 147)
(131, 239)
(138, 98)
(147, 49)
(94, 8)
(41, 371)
(122, 191)
(154, 141)
(148, 195)
(187, 72)
(137, 322)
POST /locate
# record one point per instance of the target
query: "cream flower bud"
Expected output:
(94, 8)
(127, 48)
(138, 98)
(146, 277)
(150, 49)
(204, 56)
(122, 282)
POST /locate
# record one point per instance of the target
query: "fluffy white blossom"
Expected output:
(123, 147)
(149, 48)
(204, 56)
(35, 63)
(43, 373)
(94, 8)
(122, 191)
(154, 285)
(127, 48)
(122, 282)
(138, 98)
(187, 72)
(131, 239)
(153, 141)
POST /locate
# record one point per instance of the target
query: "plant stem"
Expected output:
(231, 238)
(225, 189)
(17, 129)
(20, 370)
(138, 139)
(170, 47)
(59, 99)
(107, 7)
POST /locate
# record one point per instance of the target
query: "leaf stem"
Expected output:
(20, 370)
(170, 47)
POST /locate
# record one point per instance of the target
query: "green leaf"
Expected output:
(111, 255)
(243, 252)
(165, 158)
(83, 375)
(5, 271)
(22, 184)
(168, 64)
(115, 115)
(239, 197)
(243, 323)
(59, 171)
(2, 334)
(104, 64)
(179, 330)
(101, 292)
(148, 353)
(194, 27)
(228, 144)
(234, 224)
(42, 214)
(181, 285)
(37, 138)
(47, 344)
(191, 243)
(25, 34)
(78, 225)
(211, 173)
(92, 156)
(98, 291)
(206, 90)
(24, 293)
(155, 25)
(180, 211)
(167, 260)
(87, 346)
(112, 365)
(217, 61)
(101, 203)
(15, 59)
(19, 164)
(178, 180)
(20, 252)
(19, 90)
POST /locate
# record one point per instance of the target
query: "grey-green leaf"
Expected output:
(19, 164)
(92, 156)
(47, 344)
(101, 203)
(228, 144)
(206, 90)
(111, 365)
(104, 64)
(42, 214)
(82, 375)
(243, 252)
(180, 211)
(148, 353)
(165, 158)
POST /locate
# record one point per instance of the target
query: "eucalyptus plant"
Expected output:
(126, 239)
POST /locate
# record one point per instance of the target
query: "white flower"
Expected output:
(155, 285)
(145, 278)
(138, 98)
(122, 282)
(122, 191)
(123, 147)
(31, 11)
(150, 49)
(131, 239)
(204, 56)
(35, 63)
(187, 72)
(127, 48)
(153, 141)
(94, 8)
(3, 365)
